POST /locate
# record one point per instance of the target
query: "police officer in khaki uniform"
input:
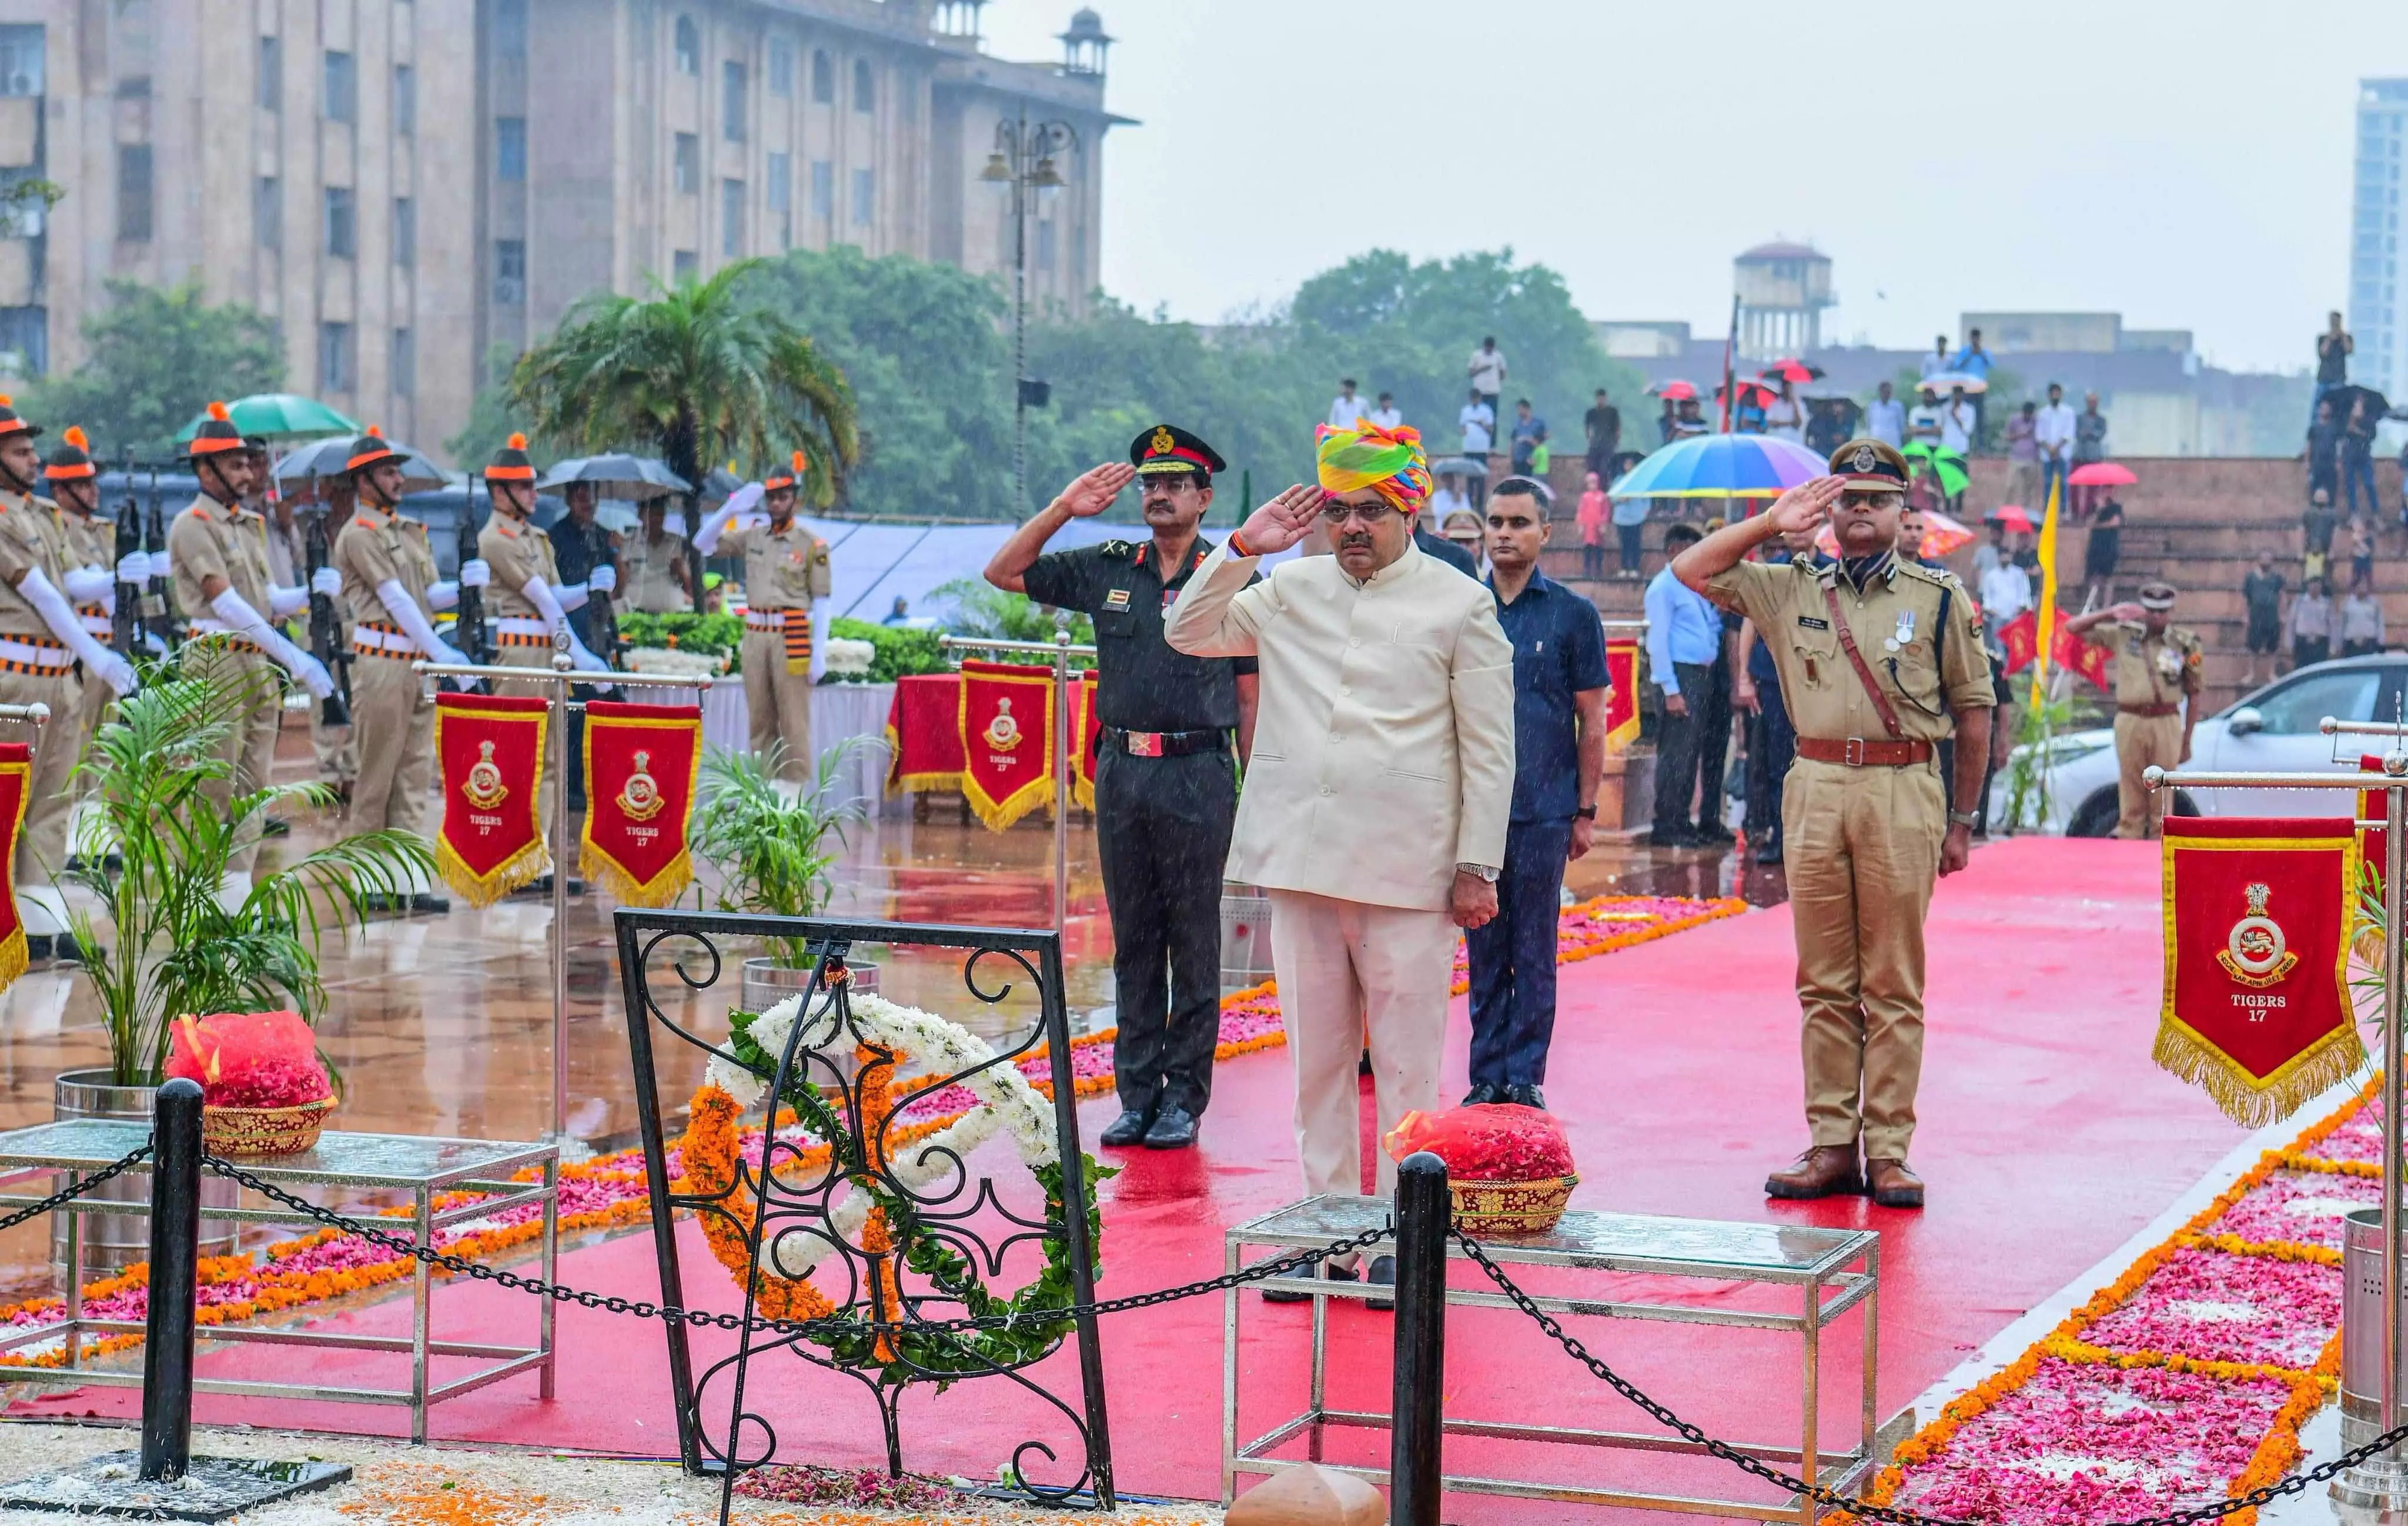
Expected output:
(1880, 659)
(384, 573)
(651, 564)
(526, 604)
(92, 556)
(785, 568)
(2156, 697)
(218, 563)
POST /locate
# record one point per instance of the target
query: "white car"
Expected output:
(2274, 730)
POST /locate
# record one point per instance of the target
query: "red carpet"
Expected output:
(2048, 1138)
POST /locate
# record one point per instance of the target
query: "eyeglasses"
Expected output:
(1338, 513)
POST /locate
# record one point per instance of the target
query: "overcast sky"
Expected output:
(2185, 163)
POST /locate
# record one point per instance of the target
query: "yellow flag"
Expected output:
(2046, 636)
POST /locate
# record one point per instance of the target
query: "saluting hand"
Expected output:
(2128, 611)
(1806, 505)
(1095, 491)
(1281, 523)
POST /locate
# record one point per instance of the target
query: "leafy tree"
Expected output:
(154, 358)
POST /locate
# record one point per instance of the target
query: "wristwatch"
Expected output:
(1483, 870)
(1962, 819)
(1586, 813)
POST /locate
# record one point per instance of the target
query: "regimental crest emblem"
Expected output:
(1162, 444)
(1003, 731)
(2255, 953)
(641, 797)
(484, 786)
(1864, 460)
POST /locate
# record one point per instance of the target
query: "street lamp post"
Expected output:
(1024, 159)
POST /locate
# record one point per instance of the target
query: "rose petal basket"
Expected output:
(1510, 1207)
(255, 1133)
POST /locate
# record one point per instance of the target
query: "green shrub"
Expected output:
(901, 650)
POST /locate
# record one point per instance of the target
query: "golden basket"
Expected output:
(1510, 1207)
(255, 1132)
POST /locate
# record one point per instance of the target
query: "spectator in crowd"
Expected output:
(1936, 364)
(1448, 499)
(1913, 530)
(2358, 456)
(1592, 516)
(1923, 421)
(2333, 349)
(1669, 425)
(2004, 590)
(1346, 410)
(1783, 418)
(2316, 525)
(1747, 408)
(2361, 619)
(1529, 433)
(1974, 361)
(2022, 435)
(1690, 420)
(900, 614)
(2089, 445)
(1885, 420)
(2323, 454)
(1385, 415)
(2101, 552)
(2262, 595)
(1684, 638)
(2056, 425)
(2311, 623)
(1771, 739)
(1479, 422)
(2362, 549)
(1487, 372)
(1602, 425)
(1993, 552)
(1630, 520)
(1831, 423)
(1958, 422)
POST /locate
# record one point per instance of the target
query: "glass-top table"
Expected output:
(425, 1168)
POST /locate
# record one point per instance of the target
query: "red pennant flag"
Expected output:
(1007, 730)
(923, 739)
(640, 766)
(2258, 920)
(1622, 691)
(2076, 655)
(2020, 637)
(490, 750)
(1086, 725)
(16, 780)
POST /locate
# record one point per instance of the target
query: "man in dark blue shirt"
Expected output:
(1559, 683)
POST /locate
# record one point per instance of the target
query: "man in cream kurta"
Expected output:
(1375, 804)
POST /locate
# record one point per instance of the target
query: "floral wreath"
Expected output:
(878, 1186)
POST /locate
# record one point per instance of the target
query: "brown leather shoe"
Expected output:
(1823, 1171)
(1892, 1185)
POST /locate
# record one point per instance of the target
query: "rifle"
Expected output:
(158, 609)
(469, 623)
(124, 621)
(325, 632)
(605, 620)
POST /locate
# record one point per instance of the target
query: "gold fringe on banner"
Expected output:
(13, 959)
(2243, 1098)
(1001, 814)
(663, 890)
(520, 868)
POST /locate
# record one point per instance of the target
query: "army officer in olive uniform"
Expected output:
(1880, 659)
(2156, 697)
(1166, 787)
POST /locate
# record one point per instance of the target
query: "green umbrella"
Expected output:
(279, 416)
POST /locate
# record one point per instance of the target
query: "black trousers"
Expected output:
(1162, 830)
(1677, 753)
(1511, 961)
(1713, 746)
(1772, 747)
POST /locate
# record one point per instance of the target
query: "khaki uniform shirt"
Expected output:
(91, 542)
(2151, 669)
(375, 548)
(783, 569)
(516, 550)
(1916, 628)
(210, 538)
(32, 535)
(648, 573)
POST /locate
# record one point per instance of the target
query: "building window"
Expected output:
(823, 76)
(268, 212)
(1045, 245)
(342, 88)
(780, 195)
(864, 88)
(781, 68)
(134, 192)
(405, 232)
(731, 219)
(731, 101)
(405, 100)
(822, 190)
(683, 266)
(509, 271)
(21, 73)
(510, 148)
(510, 28)
(271, 74)
(335, 363)
(864, 199)
(405, 363)
(24, 340)
(686, 167)
(342, 223)
(689, 46)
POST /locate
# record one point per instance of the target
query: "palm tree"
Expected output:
(698, 371)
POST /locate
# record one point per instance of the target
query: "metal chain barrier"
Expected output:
(73, 1191)
(407, 1246)
(1836, 1501)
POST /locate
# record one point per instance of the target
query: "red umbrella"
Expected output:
(1791, 370)
(1679, 392)
(2101, 473)
(2013, 517)
(1742, 387)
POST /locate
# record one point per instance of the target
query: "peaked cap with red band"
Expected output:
(511, 463)
(789, 475)
(72, 460)
(216, 435)
(1167, 448)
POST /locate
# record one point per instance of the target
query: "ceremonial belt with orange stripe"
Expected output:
(375, 638)
(37, 655)
(797, 632)
(216, 634)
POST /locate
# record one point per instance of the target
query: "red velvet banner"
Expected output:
(641, 764)
(15, 779)
(1007, 730)
(1622, 695)
(1088, 727)
(924, 734)
(490, 751)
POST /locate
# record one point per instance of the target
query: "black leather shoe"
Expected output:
(1526, 1096)
(1383, 1273)
(1483, 1095)
(1127, 1130)
(37, 947)
(1174, 1130)
(1717, 835)
(1328, 1272)
(432, 906)
(67, 950)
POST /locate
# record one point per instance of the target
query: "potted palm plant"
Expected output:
(161, 939)
(774, 847)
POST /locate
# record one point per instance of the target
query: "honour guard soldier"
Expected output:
(1880, 659)
(1166, 786)
(91, 553)
(218, 561)
(785, 568)
(2156, 697)
(383, 573)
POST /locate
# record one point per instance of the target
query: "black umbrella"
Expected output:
(2344, 401)
(617, 475)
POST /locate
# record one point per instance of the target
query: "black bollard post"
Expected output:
(175, 1271)
(1424, 1215)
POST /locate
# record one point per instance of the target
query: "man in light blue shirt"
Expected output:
(1685, 641)
(1885, 420)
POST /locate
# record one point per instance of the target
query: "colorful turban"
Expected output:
(1387, 460)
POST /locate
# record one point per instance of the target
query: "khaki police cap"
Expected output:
(2157, 594)
(1871, 466)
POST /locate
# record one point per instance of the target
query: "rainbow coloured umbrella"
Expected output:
(1720, 466)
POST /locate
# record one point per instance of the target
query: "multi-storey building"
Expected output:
(412, 189)
(2375, 289)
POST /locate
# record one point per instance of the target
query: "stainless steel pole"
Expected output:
(1062, 773)
(561, 663)
(2395, 867)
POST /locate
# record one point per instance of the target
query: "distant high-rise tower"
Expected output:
(1783, 290)
(2375, 305)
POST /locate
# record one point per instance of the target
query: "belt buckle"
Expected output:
(1145, 744)
(1853, 752)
